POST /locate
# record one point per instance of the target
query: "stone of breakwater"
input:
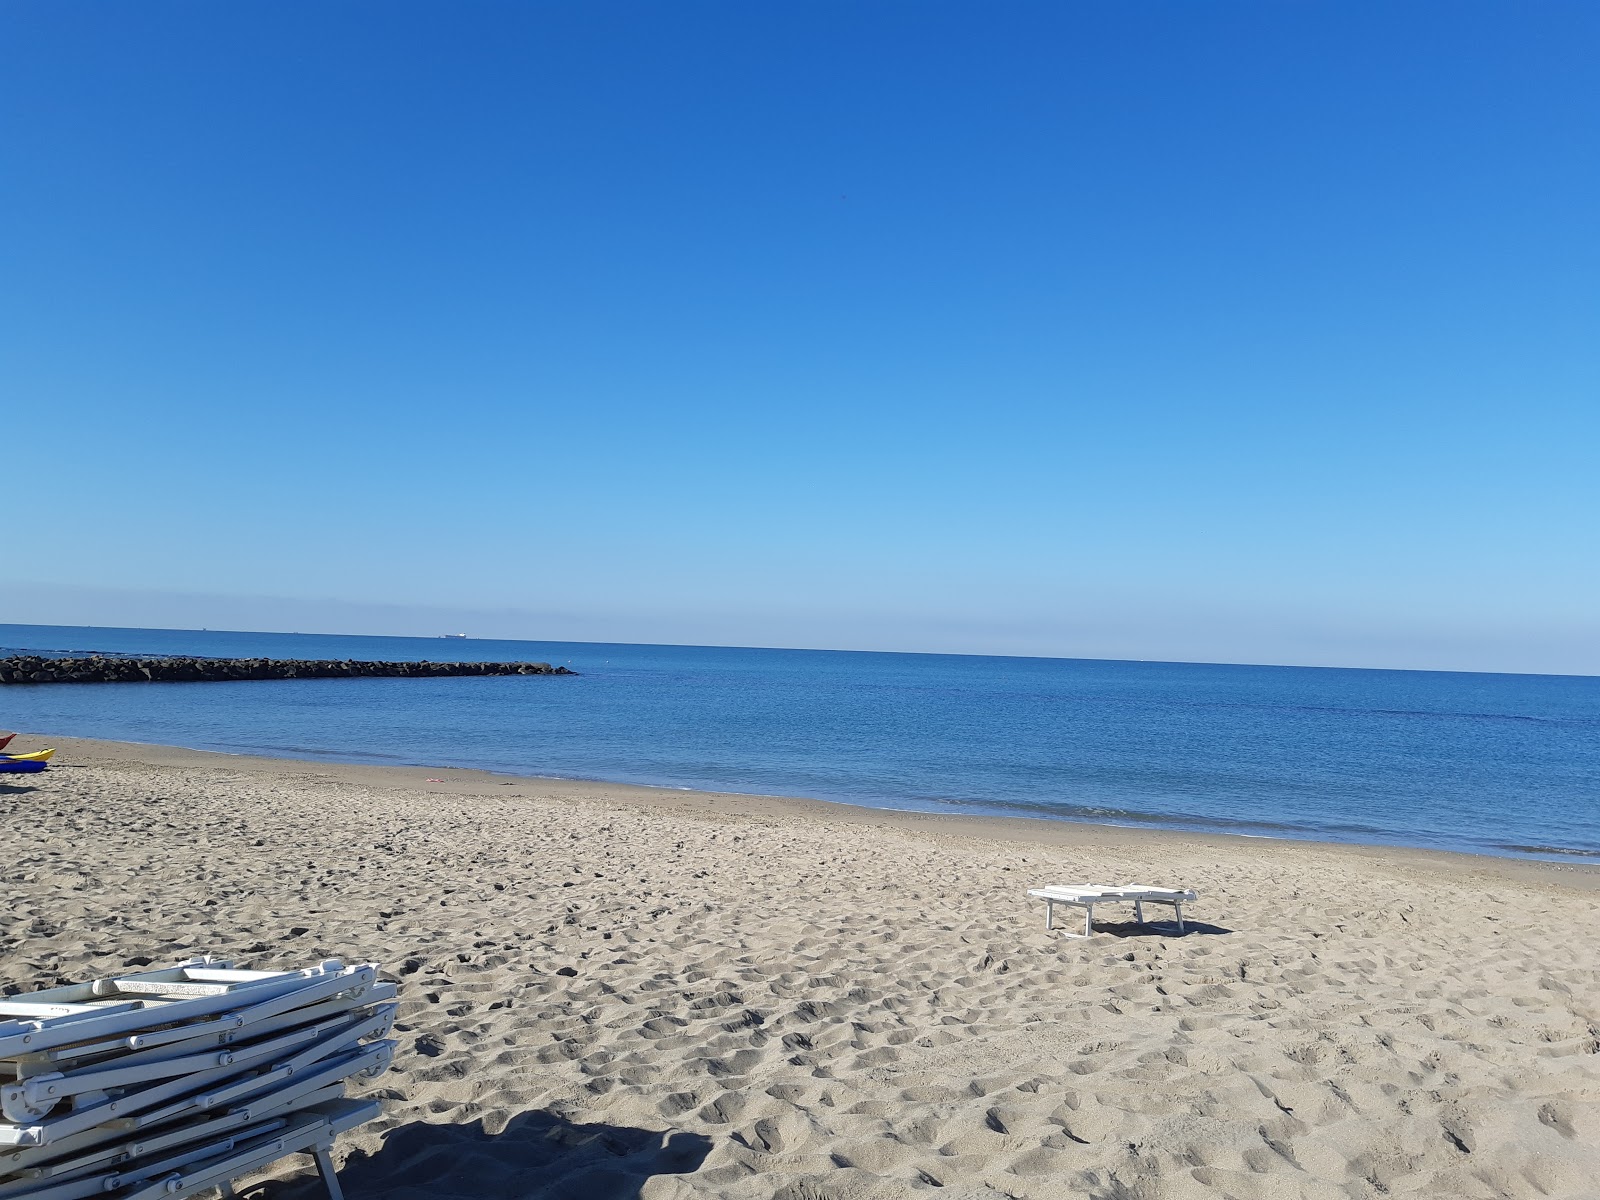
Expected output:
(27, 668)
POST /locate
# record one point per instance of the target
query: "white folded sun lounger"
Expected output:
(171, 1082)
(1086, 896)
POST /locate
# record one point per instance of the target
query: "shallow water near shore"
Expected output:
(1500, 764)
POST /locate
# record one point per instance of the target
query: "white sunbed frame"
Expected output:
(1086, 896)
(216, 1162)
(177, 1080)
(203, 987)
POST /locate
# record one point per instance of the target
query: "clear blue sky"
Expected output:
(1258, 332)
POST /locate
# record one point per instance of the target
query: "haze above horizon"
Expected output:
(1233, 333)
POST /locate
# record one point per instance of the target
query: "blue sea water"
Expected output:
(1500, 764)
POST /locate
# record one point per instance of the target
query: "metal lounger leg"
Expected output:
(325, 1168)
(1088, 920)
(1178, 908)
(1049, 914)
(1138, 911)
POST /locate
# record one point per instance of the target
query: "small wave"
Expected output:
(1137, 818)
(337, 755)
(1422, 713)
(1565, 851)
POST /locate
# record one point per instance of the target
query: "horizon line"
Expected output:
(1174, 662)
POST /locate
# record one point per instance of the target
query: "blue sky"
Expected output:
(1254, 332)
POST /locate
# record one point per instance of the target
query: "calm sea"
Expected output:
(1502, 764)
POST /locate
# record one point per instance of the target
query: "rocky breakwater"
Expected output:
(26, 668)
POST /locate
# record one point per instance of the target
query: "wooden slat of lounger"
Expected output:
(169, 989)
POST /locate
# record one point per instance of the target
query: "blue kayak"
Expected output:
(9, 766)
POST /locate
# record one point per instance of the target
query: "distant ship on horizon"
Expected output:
(452, 635)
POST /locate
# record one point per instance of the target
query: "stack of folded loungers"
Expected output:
(169, 1082)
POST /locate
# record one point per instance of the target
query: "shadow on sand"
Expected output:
(536, 1157)
(1157, 928)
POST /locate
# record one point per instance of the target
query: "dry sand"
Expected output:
(615, 992)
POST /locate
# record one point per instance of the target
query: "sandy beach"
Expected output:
(611, 992)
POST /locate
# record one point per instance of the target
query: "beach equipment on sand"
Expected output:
(172, 1081)
(5, 739)
(30, 756)
(1086, 896)
(13, 767)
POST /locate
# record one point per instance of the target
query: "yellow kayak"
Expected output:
(31, 756)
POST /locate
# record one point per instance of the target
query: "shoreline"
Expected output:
(1041, 831)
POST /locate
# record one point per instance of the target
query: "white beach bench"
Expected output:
(178, 1080)
(1086, 896)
